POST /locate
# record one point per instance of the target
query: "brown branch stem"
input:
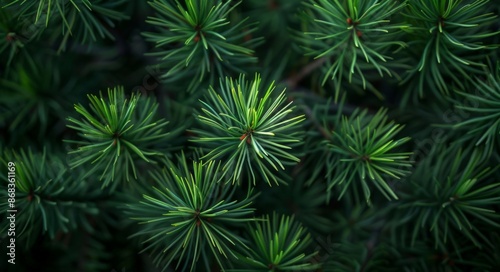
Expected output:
(293, 80)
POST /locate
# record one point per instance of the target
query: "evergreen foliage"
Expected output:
(83, 20)
(116, 134)
(51, 200)
(252, 130)
(446, 194)
(252, 135)
(189, 216)
(361, 149)
(201, 42)
(481, 108)
(280, 244)
(445, 44)
(363, 30)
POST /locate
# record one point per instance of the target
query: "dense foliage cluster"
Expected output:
(252, 135)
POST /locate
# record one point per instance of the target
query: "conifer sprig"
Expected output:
(449, 196)
(37, 96)
(15, 33)
(197, 42)
(483, 111)
(188, 218)
(354, 37)
(278, 243)
(48, 200)
(83, 19)
(249, 130)
(448, 36)
(362, 154)
(117, 134)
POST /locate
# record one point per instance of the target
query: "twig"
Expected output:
(306, 70)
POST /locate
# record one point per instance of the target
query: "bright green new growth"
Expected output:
(198, 42)
(188, 217)
(116, 133)
(249, 131)
(362, 154)
(278, 244)
(353, 37)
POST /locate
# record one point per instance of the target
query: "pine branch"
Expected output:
(278, 244)
(81, 19)
(199, 42)
(117, 134)
(48, 198)
(187, 218)
(483, 110)
(363, 38)
(449, 196)
(251, 132)
(448, 36)
(361, 151)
